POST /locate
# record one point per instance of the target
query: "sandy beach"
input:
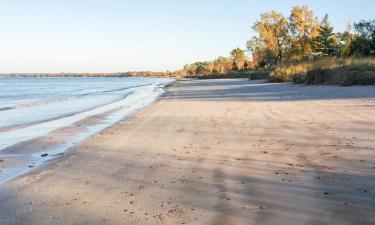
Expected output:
(214, 152)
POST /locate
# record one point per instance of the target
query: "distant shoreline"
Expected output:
(115, 74)
(253, 74)
(63, 75)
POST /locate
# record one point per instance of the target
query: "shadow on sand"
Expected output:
(240, 89)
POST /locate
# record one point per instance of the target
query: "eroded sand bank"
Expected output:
(216, 152)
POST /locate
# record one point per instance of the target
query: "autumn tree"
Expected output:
(190, 69)
(222, 65)
(239, 58)
(204, 68)
(261, 56)
(273, 34)
(304, 28)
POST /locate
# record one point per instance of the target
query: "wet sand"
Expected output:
(215, 152)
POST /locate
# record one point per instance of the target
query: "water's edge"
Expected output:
(33, 153)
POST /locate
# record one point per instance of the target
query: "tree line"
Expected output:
(300, 36)
(237, 61)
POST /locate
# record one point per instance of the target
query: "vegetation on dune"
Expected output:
(297, 48)
(301, 37)
(304, 50)
(351, 71)
(248, 74)
(329, 70)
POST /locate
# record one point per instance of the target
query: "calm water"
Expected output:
(32, 108)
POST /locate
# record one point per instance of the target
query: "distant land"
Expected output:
(116, 74)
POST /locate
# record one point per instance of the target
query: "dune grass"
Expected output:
(349, 71)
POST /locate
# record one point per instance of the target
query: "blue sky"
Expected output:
(121, 35)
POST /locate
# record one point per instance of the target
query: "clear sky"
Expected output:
(124, 35)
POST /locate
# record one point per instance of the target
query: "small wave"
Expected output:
(136, 99)
(49, 101)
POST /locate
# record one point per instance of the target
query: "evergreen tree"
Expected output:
(324, 41)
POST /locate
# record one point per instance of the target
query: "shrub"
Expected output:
(252, 75)
(286, 73)
(340, 77)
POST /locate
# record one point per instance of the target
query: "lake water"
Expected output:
(34, 108)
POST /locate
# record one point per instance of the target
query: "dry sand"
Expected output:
(215, 152)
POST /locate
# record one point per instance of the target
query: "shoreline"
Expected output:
(215, 152)
(23, 156)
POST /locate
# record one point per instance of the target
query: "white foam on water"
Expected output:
(137, 98)
(29, 101)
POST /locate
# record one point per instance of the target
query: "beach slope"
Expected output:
(215, 152)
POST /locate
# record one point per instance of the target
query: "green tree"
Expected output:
(239, 58)
(364, 45)
(345, 46)
(325, 41)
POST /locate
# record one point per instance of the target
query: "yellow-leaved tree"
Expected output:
(304, 28)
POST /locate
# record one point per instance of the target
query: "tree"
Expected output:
(364, 45)
(239, 58)
(304, 28)
(190, 69)
(222, 65)
(204, 68)
(273, 34)
(261, 55)
(325, 41)
(345, 46)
